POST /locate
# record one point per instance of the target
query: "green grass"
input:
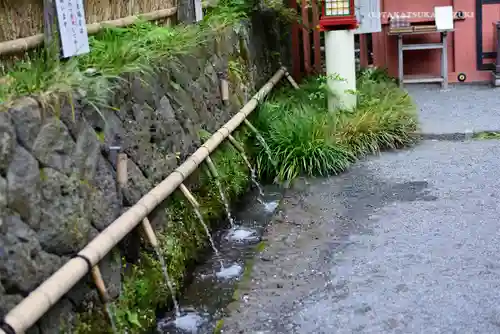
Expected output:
(141, 48)
(306, 139)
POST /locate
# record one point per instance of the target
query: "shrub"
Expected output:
(304, 138)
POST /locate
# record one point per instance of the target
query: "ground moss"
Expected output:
(245, 278)
(486, 135)
(143, 288)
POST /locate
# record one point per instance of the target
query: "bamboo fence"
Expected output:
(24, 18)
(20, 45)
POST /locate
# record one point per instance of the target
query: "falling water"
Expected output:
(207, 231)
(262, 141)
(253, 175)
(225, 201)
(111, 318)
(255, 182)
(169, 282)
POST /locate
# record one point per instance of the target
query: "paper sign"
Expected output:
(72, 27)
(198, 10)
(368, 16)
(444, 18)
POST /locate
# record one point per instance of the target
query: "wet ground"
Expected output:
(406, 242)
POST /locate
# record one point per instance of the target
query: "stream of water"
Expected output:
(263, 142)
(225, 202)
(205, 299)
(169, 283)
(111, 318)
(207, 230)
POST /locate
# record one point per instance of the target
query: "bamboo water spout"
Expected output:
(291, 80)
(240, 148)
(196, 208)
(216, 176)
(149, 233)
(103, 294)
(151, 236)
(24, 315)
(253, 174)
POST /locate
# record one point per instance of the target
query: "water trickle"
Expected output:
(262, 141)
(253, 175)
(207, 231)
(111, 318)
(255, 182)
(169, 282)
(225, 202)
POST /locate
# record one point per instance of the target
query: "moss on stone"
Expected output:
(144, 289)
(218, 326)
(100, 136)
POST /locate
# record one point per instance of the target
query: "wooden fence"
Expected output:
(306, 39)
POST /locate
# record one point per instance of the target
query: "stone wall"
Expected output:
(57, 177)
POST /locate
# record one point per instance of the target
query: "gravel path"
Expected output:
(461, 108)
(406, 242)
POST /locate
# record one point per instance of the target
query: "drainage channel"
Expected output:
(204, 301)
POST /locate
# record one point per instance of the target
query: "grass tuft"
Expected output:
(141, 48)
(306, 139)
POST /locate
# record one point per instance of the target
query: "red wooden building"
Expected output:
(471, 46)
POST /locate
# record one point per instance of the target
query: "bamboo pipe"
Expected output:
(31, 42)
(236, 144)
(99, 284)
(149, 233)
(212, 168)
(39, 301)
(240, 148)
(189, 196)
(121, 170)
(291, 80)
(254, 130)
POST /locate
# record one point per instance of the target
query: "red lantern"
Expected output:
(338, 15)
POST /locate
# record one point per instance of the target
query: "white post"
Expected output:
(340, 60)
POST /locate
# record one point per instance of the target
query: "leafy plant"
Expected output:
(306, 139)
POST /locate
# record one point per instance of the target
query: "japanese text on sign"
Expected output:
(72, 27)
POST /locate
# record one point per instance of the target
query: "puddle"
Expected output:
(242, 235)
(213, 286)
(271, 206)
(189, 322)
(230, 272)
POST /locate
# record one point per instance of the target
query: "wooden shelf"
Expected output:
(443, 46)
(423, 46)
(421, 78)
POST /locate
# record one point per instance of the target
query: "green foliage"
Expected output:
(140, 48)
(306, 139)
(143, 289)
(375, 74)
